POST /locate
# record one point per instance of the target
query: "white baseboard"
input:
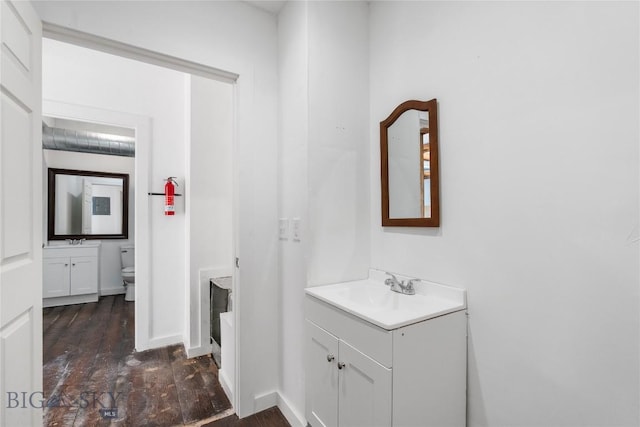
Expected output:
(226, 385)
(112, 291)
(199, 351)
(73, 299)
(164, 341)
(290, 413)
(274, 398)
(265, 401)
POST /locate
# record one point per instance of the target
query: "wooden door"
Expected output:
(365, 390)
(322, 377)
(21, 215)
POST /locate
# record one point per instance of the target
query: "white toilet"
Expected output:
(127, 255)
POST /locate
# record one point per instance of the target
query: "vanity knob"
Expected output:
(66, 265)
(330, 358)
(341, 365)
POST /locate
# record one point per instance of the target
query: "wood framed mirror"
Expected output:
(409, 165)
(87, 205)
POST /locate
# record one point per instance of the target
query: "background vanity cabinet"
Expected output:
(70, 274)
(358, 374)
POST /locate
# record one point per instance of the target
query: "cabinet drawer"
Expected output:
(366, 337)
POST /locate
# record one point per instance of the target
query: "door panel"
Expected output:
(322, 377)
(16, 165)
(365, 390)
(16, 36)
(16, 340)
(20, 215)
(20, 27)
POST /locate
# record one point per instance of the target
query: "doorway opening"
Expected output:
(166, 251)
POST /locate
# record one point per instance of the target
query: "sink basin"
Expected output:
(373, 301)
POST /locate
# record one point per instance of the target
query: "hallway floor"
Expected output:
(271, 417)
(93, 376)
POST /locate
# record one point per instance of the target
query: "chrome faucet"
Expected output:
(399, 286)
(390, 281)
(75, 241)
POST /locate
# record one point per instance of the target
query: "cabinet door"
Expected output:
(322, 377)
(55, 277)
(365, 390)
(84, 275)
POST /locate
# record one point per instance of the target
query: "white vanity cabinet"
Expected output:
(349, 388)
(359, 374)
(70, 274)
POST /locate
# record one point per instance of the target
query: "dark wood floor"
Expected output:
(271, 417)
(91, 368)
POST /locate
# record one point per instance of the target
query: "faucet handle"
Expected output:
(390, 280)
(409, 288)
(412, 282)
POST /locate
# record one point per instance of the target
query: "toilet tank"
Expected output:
(127, 253)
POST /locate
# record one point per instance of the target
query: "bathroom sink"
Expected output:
(371, 300)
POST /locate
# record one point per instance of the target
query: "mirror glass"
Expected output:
(409, 149)
(86, 204)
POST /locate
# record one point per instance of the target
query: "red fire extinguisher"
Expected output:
(169, 196)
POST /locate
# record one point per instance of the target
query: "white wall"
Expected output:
(209, 201)
(538, 119)
(110, 277)
(240, 38)
(338, 159)
(84, 77)
(293, 166)
(324, 165)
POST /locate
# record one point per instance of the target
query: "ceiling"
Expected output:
(268, 5)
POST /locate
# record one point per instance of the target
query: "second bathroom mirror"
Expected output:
(87, 205)
(409, 165)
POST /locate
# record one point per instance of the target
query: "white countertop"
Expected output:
(67, 245)
(371, 300)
